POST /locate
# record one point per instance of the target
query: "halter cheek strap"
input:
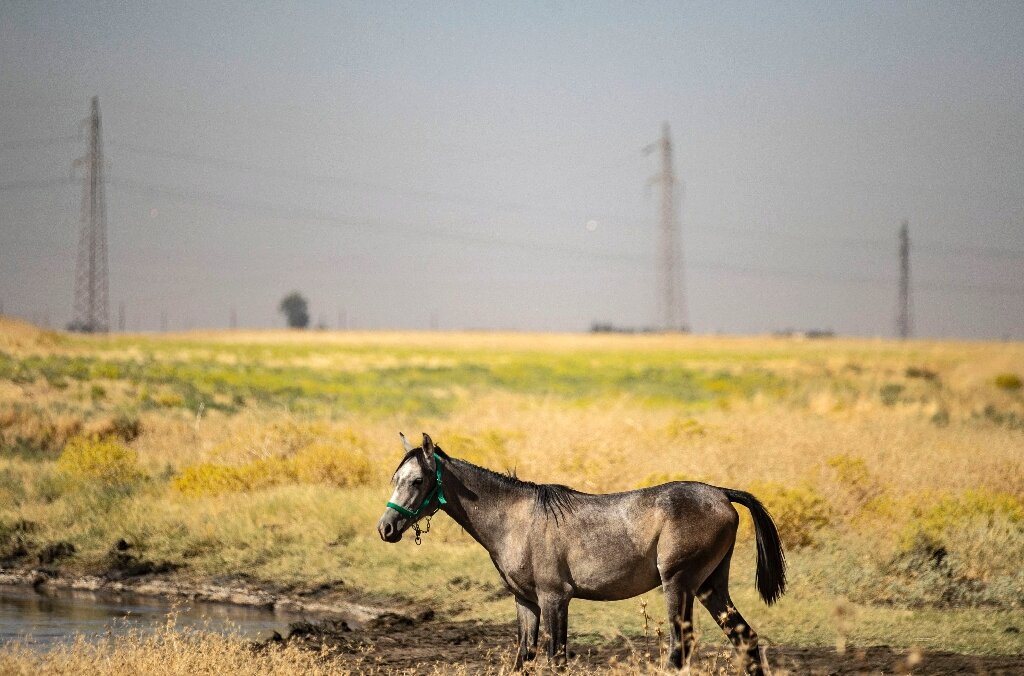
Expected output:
(438, 493)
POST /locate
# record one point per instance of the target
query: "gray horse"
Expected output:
(551, 544)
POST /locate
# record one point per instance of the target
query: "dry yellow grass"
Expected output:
(187, 653)
(857, 446)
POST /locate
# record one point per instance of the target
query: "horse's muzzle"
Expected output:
(388, 531)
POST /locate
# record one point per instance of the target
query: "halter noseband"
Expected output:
(437, 492)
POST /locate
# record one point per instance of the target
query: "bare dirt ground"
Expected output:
(399, 644)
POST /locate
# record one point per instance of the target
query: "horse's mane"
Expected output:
(556, 500)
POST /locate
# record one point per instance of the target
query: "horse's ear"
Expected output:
(405, 443)
(428, 451)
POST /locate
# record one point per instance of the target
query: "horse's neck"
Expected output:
(482, 504)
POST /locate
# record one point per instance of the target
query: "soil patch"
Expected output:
(419, 645)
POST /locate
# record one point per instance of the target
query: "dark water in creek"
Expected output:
(53, 617)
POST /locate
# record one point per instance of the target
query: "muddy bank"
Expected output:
(331, 601)
(410, 638)
(421, 644)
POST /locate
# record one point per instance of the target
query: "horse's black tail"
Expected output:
(771, 561)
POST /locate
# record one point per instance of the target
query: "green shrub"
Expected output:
(16, 540)
(35, 433)
(921, 372)
(127, 426)
(933, 521)
(850, 470)
(317, 462)
(104, 463)
(1007, 419)
(953, 550)
(800, 512)
(1010, 382)
(105, 371)
(685, 427)
(12, 487)
(854, 479)
(209, 478)
(169, 399)
(48, 486)
(940, 418)
(890, 393)
(321, 462)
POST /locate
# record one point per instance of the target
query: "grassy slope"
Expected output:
(894, 470)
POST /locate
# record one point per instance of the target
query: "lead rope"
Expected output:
(419, 531)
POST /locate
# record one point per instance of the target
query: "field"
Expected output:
(895, 471)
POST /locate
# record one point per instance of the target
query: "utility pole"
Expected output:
(904, 322)
(120, 317)
(672, 298)
(91, 285)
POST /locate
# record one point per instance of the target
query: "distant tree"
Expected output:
(295, 310)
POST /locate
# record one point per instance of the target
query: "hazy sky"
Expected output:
(417, 164)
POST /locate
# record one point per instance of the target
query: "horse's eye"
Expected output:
(417, 482)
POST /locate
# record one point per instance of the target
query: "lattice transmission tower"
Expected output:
(91, 286)
(904, 320)
(672, 303)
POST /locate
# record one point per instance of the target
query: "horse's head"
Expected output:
(418, 491)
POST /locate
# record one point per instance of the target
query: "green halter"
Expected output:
(437, 492)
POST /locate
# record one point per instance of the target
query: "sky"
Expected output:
(482, 165)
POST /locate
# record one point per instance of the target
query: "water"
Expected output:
(57, 616)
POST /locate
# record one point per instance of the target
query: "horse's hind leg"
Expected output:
(528, 614)
(680, 613)
(714, 594)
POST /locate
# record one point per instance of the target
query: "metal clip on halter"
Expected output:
(424, 531)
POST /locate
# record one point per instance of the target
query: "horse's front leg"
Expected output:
(528, 615)
(555, 611)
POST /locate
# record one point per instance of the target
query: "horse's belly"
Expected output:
(614, 581)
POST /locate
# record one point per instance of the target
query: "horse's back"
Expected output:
(694, 501)
(676, 501)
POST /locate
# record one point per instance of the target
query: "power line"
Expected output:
(337, 180)
(41, 142)
(827, 240)
(37, 184)
(937, 248)
(960, 250)
(308, 215)
(304, 215)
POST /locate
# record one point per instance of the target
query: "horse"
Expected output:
(551, 544)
